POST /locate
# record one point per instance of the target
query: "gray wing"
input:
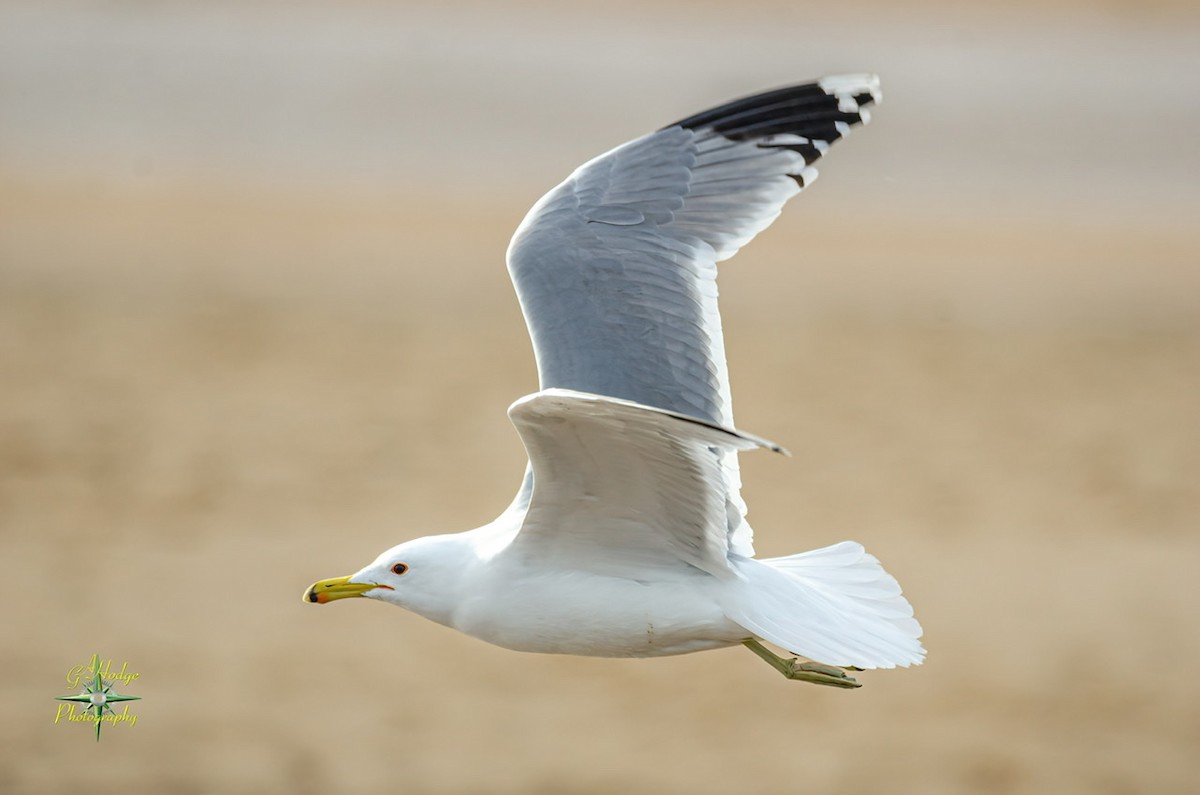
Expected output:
(618, 486)
(615, 268)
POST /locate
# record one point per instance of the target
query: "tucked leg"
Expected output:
(803, 671)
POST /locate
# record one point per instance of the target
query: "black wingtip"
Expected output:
(819, 111)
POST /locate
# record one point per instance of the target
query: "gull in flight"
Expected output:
(628, 537)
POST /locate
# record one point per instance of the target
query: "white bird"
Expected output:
(628, 537)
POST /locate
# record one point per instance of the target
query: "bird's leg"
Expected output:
(803, 671)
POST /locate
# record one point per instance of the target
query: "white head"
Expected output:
(423, 575)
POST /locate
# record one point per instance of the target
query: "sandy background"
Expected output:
(255, 328)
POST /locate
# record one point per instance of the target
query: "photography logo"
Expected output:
(96, 697)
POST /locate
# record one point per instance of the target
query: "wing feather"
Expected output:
(615, 268)
(616, 482)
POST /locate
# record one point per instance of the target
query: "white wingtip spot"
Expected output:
(851, 86)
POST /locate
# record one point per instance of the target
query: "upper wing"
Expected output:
(618, 485)
(616, 267)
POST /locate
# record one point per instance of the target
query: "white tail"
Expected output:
(834, 605)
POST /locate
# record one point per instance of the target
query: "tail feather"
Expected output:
(835, 605)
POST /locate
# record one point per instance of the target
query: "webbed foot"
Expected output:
(798, 671)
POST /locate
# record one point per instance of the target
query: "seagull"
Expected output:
(628, 536)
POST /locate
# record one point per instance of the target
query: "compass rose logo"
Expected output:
(96, 695)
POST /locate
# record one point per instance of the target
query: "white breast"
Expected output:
(571, 612)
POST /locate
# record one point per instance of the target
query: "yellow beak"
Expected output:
(338, 588)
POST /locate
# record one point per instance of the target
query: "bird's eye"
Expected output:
(399, 568)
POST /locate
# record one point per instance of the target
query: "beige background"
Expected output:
(255, 327)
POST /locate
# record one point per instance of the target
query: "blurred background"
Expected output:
(255, 327)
